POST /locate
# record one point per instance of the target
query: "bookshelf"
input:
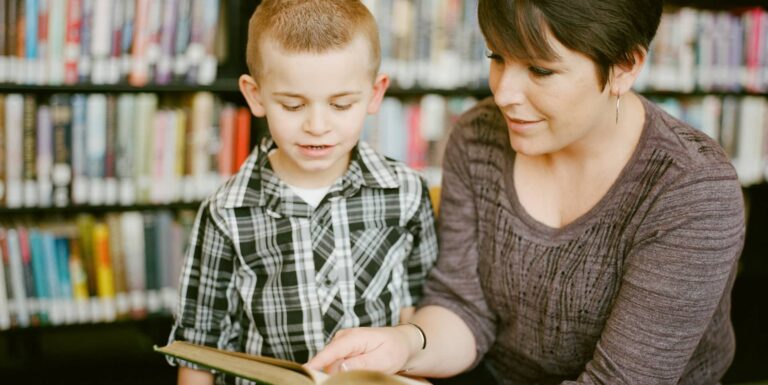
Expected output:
(419, 44)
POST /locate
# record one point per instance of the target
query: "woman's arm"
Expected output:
(449, 350)
(676, 278)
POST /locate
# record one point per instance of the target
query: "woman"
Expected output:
(586, 236)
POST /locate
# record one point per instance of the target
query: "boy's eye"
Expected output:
(538, 71)
(341, 107)
(292, 107)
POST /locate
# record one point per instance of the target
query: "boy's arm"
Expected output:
(189, 376)
(208, 299)
(406, 313)
(424, 252)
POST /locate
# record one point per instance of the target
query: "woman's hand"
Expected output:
(385, 349)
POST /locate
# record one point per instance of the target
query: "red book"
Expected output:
(242, 137)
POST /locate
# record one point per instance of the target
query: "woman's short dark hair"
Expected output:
(609, 32)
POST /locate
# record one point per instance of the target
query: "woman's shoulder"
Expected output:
(690, 149)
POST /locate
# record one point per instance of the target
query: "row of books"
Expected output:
(109, 41)
(710, 51)
(415, 130)
(739, 124)
(431, 43)
(112, 149)
(91, 269)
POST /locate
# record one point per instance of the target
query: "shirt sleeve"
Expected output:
(679, 271)
(454, 283)
(208, 308)
(424, 251)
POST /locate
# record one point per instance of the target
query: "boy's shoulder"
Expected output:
(385, 172)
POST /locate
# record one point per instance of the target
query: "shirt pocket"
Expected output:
(376, 253)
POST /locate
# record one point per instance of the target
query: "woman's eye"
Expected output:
(341, 107)
(493, 56)
(292, 107)
(538, 71)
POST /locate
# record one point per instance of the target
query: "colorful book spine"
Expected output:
(105, 281)
(5, 308)
(20, 301)
(72, 41)
(84, 65)
(96, 144)
(57, 35)
(29, 137)
(79, 129)
(3, 152)
(14, 107)
(242, 137)
(61, 176)
(44, 156)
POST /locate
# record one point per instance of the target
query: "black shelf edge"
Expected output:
(150, 319)
(99, 209)
(678, 94)
(220, 85)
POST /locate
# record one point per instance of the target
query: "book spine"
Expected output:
(66, 299)
(79, 278)
(61, 175)
(72, 41)
(242, 137)
(29, 135)
(57, 31)
(182, 35)
(116, 37)
(40, 279)
(3, 152)
(124, 157)
(79, 183)
(139, 75)
(84, 65)
(164, 72)
(96, 144)
(11, 39)
(132, 228)
(104, 275)
(16, 263)
(44, 156)
(126, 38)
(101, 39)
(3, 40)
(5, 309)
(14, 106)
(111, 187)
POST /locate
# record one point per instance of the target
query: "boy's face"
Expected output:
(315, 105)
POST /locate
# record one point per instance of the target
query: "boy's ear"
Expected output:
(252, 93)
(380, 86)
(623, 76)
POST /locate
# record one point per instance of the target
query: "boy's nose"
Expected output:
(317, 124)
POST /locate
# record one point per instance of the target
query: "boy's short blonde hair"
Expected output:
(313, 26)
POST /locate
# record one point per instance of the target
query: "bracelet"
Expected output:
(421, 332)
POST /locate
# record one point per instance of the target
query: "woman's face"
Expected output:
(549, 106)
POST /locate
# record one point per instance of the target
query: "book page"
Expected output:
(256, 368)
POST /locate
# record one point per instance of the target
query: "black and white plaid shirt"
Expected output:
(267, 274)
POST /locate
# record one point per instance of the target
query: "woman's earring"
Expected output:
(618, 100)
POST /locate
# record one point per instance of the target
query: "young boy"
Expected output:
(316, 232)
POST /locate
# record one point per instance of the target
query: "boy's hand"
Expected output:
(382, 349)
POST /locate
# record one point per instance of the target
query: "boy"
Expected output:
(316, 232)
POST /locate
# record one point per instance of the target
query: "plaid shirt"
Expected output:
(267, 274)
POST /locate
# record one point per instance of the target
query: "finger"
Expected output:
(337, 350)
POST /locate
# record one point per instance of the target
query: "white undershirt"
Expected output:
(312, 196)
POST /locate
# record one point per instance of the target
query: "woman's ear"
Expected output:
(252, 93)
(623, 76)
(380, 86)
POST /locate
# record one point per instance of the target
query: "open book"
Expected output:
(275, 371)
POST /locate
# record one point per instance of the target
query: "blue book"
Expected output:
(40, 278)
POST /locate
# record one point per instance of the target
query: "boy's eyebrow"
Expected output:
(336, 95)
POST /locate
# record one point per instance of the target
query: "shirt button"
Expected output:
(327, 281)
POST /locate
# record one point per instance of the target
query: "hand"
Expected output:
(381, 349)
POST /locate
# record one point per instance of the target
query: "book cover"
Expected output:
(269, 370)
(57, 30)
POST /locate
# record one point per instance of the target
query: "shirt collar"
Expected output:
(256, 184)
